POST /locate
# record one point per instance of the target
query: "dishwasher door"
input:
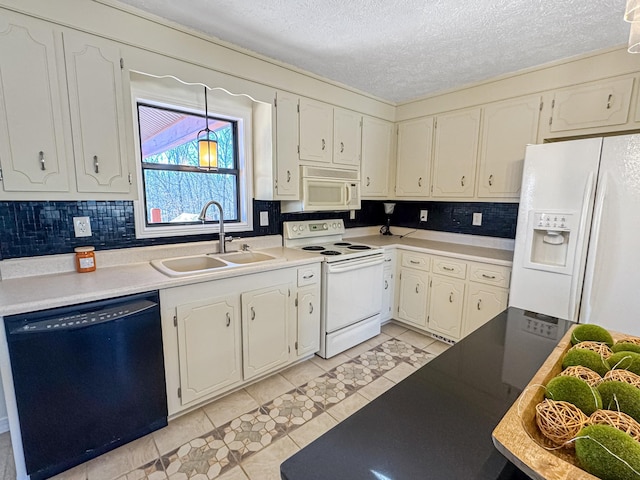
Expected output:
(87, 378)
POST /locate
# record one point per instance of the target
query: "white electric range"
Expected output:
(352, 282)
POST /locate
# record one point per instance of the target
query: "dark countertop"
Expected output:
(437, 423)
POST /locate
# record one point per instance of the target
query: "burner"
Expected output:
(331, 252)
(342, 244)
(313, 248)
(359, 247)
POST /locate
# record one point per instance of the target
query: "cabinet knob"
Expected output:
(490, 277)
(609, 101)
(253, 313)
(462, 181)
(324, 144)
(479, 303)
(448, 269)
(341, 147)
(417, 289)
(96, 167)
(420, 181)
(490, 180)
(41, 159)
(386, 285)
(368, 181)
(228, 319)
(451, 297)
(310, 307)
(288, 176)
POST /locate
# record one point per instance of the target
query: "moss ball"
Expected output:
(586, 358)
(590, 332)
(591, 450)
(626, 347)
(575, 391)
(621, 396)
(625, 360)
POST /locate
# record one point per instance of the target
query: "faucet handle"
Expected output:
(228, 238)
(244, 247)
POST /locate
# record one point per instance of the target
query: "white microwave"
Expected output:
(326, 189)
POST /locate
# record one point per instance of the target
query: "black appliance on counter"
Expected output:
(88, 378)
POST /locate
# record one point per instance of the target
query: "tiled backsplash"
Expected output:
(45, 228)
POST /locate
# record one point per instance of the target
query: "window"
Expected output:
(175, 187)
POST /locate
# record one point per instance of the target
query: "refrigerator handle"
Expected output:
(582, 229)
(595, 237)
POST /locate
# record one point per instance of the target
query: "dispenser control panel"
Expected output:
(553, 221)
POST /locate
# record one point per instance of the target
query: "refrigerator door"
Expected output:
(612, 279)
(558, 190)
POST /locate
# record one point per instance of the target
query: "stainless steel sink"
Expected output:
(201, 264)
(242, 258)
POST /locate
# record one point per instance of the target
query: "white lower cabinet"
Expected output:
(308, 311)
(483, 303)
(413, 294)
(446, 306)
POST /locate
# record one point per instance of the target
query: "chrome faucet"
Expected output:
(202, 217)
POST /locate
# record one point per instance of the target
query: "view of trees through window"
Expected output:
(175, 187)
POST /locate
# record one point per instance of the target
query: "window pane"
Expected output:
(174, 196)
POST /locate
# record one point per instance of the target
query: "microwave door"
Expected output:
(320, 194)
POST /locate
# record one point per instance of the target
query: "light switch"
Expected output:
(477, 219)
(264, 219)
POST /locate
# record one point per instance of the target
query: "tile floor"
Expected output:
(247, 434)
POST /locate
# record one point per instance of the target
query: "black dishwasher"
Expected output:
(88, 378)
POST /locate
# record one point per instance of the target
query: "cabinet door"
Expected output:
(414, 157)
(347, 137)
(507, 128)
(446, 306)
(264, 329)
(308, 307)
(96, 101)
(386, 311)
(287, 171)
(597, 104)
(377, 141)
(413, 296)
(483, 303)
(456, 153)
(316, 131)
(32, 139)
(209, 343)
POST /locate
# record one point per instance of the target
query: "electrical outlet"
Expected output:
(352, 214)
(423, 215)
(264, 219)
(477, 219)
(82, 226)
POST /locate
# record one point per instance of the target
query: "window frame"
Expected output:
(167, 93)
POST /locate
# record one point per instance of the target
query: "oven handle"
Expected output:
(355, 264)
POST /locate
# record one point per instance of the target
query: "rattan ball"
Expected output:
(622, 375)
(598, 347)
(635, 340)
(583, 373)
(560, 421)
(620, 420)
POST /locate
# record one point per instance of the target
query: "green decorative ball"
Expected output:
(625, 360)
(591, 450)
(626, 347)
(621, 396)
(586, 358)
(576, 391)
(589, 332)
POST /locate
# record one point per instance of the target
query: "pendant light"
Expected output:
(207, 142)
(632, 15)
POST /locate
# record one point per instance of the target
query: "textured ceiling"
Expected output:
(400, 50)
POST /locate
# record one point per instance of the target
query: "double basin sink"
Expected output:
(200, 264)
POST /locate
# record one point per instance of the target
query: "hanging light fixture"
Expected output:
(207, 142)
(632, 15)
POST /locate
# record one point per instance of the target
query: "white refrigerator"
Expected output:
(577, 251)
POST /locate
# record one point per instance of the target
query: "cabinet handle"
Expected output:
(310, 307)
(323, 144)
(253, 313)
(288, 176)
(462, 181)
(96, 167)
(387, 259)
(341, 147)
(386, 285)
(490, 180)
(415, 262)
(451, 297)
(41, 156)
(479, 303)
(228, 319)
(448, 269)
(420, 181)
(490, 277)
(307, 277)
(609, 101)
(417, 290)
(368, 181)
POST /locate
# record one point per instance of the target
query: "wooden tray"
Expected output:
(517, 436)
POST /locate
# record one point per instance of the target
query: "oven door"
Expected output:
(352, 291)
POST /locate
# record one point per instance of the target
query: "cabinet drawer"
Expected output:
(421, 261)
(308, 275)
(490, 274)
(450, 267)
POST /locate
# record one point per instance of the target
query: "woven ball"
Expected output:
(598, 347)
(620, 420)
(560, 422)
(622, 375)
(583, 373)
(635, 340)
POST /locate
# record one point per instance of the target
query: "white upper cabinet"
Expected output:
(287, 181)
(96, 101)
(347, 126)
(507, 128)
(414, 157)
(316, 131)
(456, 153)
(33, 137)
(377, 141)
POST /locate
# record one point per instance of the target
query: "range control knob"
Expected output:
(302, 227)
(335, 225)
(325, 226)
(294, 228)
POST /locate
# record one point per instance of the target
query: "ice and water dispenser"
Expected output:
(550, 245)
